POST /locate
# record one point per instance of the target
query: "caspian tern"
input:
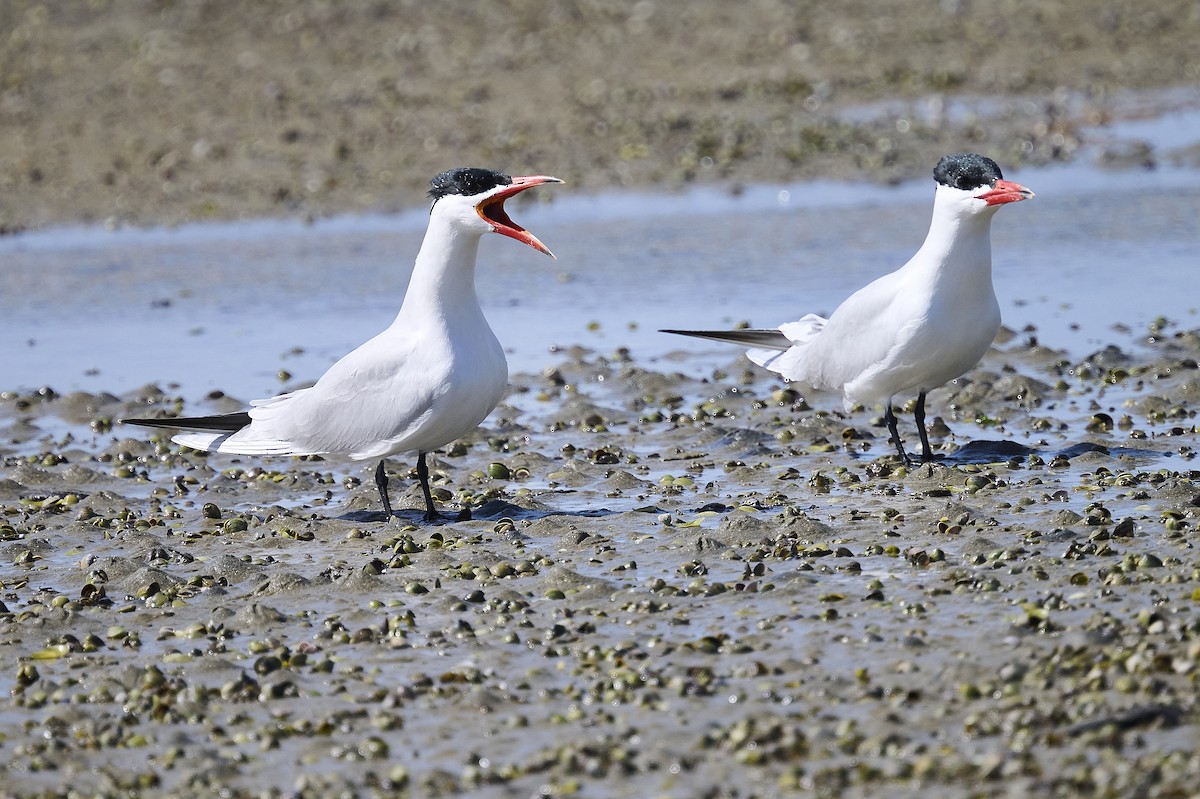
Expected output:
(428, 379)
(914, 329)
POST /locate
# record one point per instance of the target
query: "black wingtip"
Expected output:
(225, 423)
(769, 338)
(697, 333)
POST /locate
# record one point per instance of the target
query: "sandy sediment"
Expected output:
(161, 113)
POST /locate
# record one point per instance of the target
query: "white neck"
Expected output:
(958, 246)
(442, 285)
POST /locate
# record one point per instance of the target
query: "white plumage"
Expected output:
(913, 329)
(431, 377)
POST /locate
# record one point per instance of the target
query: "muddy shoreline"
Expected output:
(669, 586)
(153, 113)
(679, 577)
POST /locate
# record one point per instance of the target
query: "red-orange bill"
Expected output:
(492, 209)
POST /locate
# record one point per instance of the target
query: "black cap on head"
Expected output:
(966, 171)
(467, 181)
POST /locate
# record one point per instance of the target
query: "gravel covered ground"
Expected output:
(668, 587)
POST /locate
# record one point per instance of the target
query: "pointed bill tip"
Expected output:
(515, 231)
(1005, 191)
(537, 245)
(492, 209)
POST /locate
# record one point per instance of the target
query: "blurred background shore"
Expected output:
(152, 112)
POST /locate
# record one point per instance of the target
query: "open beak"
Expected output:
(492, 210)
(1004, 191)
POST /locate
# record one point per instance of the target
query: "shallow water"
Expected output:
(227, 306)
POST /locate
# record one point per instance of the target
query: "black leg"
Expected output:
(919, 415)
(890, 419)
(381, 482)
(431, 513)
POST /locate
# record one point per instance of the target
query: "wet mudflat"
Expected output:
(676, 580)
(145, 113)
(680, 577)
